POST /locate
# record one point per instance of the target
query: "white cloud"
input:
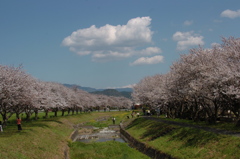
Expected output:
(113, 42)
(188, 22)
(148, 60)
(124, 53)
(230, 14)
(215, 45)
(149, 51)
(127, 86)
(186, 40)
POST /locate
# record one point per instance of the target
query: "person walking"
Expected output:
(1, 127)
(132, 114)
(138, 114)
(19, 123)
(113, 119)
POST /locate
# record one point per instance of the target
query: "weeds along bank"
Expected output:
(183, 142)
(45, 138)
(107, 150)
(104, 150)
(50, 138)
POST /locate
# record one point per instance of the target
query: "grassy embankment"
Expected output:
(49, 138)
(105, 150)
(183, 142)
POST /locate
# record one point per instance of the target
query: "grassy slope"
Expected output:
(184, 142)
(104, 150)
(48, 138)
(45, 138)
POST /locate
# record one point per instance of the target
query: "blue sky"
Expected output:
(109, 43)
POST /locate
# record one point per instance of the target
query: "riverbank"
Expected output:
(50, 138)
(101, 139)
(183, 142)
(46, 138)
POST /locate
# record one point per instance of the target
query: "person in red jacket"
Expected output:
(19, 123)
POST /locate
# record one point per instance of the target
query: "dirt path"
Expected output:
(218, 131)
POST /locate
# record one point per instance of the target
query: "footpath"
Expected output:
(217, 131)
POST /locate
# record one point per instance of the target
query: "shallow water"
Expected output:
(102, 135)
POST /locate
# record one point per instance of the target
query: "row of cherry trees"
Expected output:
(21, 93)
(203, 84)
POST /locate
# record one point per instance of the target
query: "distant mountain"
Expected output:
(114, 92)
(124, 89)
(125, 92)
(87, 89)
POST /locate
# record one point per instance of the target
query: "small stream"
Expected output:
(88, 134)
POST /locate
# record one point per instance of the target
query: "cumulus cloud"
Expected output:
(188, 22)
(110, 42)
(124, 53)
(215, 45)
(149, 51)
(148, 60)
(230, 13)
(186, 40)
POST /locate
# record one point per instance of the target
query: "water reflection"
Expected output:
(100, 135)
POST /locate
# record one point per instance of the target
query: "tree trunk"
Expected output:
(46, 113)
(28, 115)
(55, 113)
(18, 115)
(238, 122)
(4, 117)
(69, 111)
(76, 110)
(36, 114)
(73, 111)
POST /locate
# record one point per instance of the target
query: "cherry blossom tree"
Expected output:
(201, 84)
(21, 93)
(16, 91)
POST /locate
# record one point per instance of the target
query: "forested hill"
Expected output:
(113, 92)
(118, 92)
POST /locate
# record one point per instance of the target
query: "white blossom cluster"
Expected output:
(21, 93)
(203, 84)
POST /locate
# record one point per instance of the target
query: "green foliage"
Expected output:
(97, 124)
(183, 142)
(44, 138)
(106, 150)
(107, 120)
(231, 126)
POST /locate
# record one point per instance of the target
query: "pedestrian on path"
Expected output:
(148, 113)
(113, 119)
(138, 114)
(132, 114)
(19, 124)
(1, 127)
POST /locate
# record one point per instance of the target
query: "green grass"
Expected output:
(44, 138)
(231, 126)
(106, 150)
(182, 142)
(49, 138)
